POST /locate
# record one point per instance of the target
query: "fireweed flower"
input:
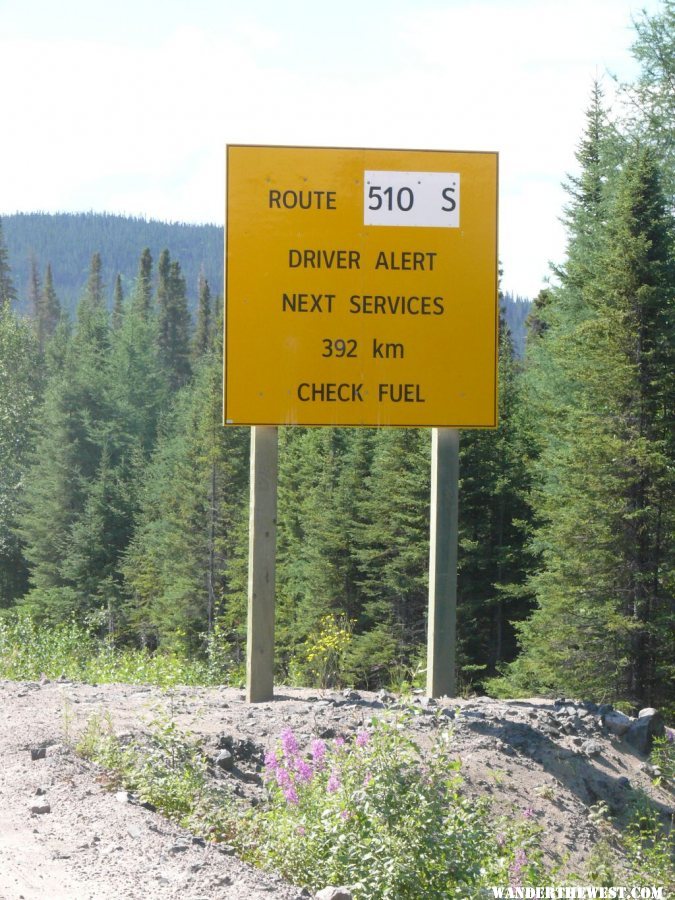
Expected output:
(362, 738)
(528, 813)
(289, 743)
(304, 770)
(333, 785)
(291, 794)
(339, 742)
(271, 761)
(516, 867)
(318, 751)
(283, 777)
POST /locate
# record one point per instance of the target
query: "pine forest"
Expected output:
(124, 501)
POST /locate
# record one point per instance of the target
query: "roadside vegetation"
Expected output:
(373, 814)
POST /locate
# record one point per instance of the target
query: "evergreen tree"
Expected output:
(49, 309)
(34, 292)
(203, 332)
(118, 304)
(173, 320)
(142, 296)
(494, 522)
(20, 387)
(185, 569)
(605, 486)
(7, 289)
(652, 97)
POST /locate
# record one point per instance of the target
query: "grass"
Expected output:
(28, 651)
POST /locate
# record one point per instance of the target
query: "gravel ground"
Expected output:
(64, 834)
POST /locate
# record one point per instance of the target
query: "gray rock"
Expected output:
(349, 694)
(225, 760)
(591, 748)
(40, 809)
(647, 711)
(642, 732)
(617, 722)
(334, 893)
(122, 796)
(38, 753)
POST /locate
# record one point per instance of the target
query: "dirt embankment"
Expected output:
(64, 836)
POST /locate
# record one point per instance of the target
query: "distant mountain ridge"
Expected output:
(67, 241)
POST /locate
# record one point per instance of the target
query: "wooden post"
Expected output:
(261, 565)
(442, 629)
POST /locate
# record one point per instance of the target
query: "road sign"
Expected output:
(361, 287)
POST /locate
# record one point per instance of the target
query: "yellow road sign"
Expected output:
(361, 287)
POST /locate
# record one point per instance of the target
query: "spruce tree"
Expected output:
(118, 304)
(142, 295)
(605, 484)
(50, 308)
(20, 387)
(203, 332)
(7, 289)
(173, 320)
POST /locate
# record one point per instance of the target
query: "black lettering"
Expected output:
(291, 199)
(329, 392)
(452, 203)
(400, 393)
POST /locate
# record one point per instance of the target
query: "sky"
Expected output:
(127, 106)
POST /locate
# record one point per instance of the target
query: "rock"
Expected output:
(349, 694)
(642, 731)
(617, 722)
(40, 808)
(225, 760)
(334, 893)
(647, 711)
(38, 753)
(122, 796)
(591, 748)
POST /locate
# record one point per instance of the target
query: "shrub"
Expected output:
(378, 817)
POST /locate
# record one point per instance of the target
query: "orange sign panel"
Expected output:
(361, 287)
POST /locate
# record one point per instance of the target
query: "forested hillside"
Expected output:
(67, 241)
(123, 501)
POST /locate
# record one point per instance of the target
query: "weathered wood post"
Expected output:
(261, 564)
(442, 621)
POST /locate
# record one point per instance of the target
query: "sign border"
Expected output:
(493, 153)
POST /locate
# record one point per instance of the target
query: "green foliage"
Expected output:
(321, 662)
(377, 816)
(20, 387)
(29, 650)
(662, 757)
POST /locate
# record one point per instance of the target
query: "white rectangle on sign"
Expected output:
(422, 199)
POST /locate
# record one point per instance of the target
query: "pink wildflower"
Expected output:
(301, 830)
(271, 760)
(528, 813)
(345, 814)
(289, 743)
(318, 751)
(333, 783)
(291, 794)
(339, 742)
(362, 738)
(304, 770)
(516, 868)
(283, 777)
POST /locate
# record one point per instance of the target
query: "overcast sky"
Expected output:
(126, 105)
